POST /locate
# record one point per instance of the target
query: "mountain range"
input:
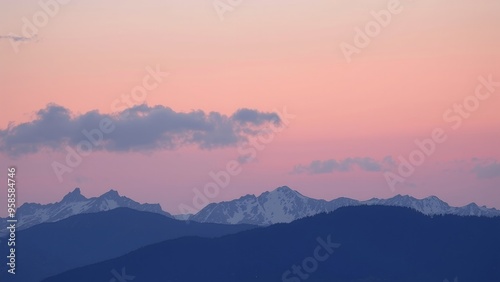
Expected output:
(30, 214)
(281, 205)
(284, 205)
(83, 239)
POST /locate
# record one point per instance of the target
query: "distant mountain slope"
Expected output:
(50, 248)
(74, 203)
(285, 205)
(377, 243)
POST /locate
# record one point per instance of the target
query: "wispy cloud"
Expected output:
(332, 165)
(140, 128)
(18, 38)
(488, 169)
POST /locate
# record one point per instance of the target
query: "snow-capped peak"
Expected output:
(285, 205)
(74, 203)
(75, 196)
(111, 194)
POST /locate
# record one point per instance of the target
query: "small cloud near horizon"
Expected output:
(18, 38)
(348, 164)
(486, 169)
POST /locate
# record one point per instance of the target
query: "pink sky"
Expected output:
(263, 55)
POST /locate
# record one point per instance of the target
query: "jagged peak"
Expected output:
(399, 196)
(110, 194)
(435, 199)
(474, 205)
(283, 190)
(343, 200)
(74, 196)
(426, 199)
(246, 197)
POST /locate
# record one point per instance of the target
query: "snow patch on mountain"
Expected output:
(30, 214)
(284, 205)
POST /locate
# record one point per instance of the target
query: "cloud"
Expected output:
(18, 38)
(140, 128)
(332, 165)
(246, 116)
(487, 170)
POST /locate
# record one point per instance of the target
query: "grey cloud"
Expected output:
(487, 170)
(248, 116)
(332, 165)
(140, 128)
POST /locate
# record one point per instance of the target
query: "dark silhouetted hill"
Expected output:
(50, 248)
(378, 243)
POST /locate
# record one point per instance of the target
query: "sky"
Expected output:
(188, 102)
